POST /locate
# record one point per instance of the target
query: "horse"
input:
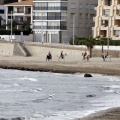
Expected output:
(87, 57)
(48, 57)
(106, 56)
(62, 56)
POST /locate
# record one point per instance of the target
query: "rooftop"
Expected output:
(26, 2)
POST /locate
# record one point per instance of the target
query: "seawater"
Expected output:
(55, 96)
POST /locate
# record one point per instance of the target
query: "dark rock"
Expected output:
(87, 75)
(90, 95)
(18, 118)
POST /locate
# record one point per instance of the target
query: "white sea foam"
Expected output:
(114, 86)
(111, 78)
(63, 115)
(29, 79)
(109, 91)
(9, 85)
(15, 84)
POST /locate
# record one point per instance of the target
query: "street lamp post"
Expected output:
(108, 33)
(73, 28)
(42, 28)
(11, 26)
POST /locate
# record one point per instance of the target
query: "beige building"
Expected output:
(83, 12)
(107, 20)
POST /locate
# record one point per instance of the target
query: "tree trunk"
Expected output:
(90, 52)
(102, 49)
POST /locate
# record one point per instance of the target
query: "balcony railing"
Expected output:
(26, 12)
(50, 8)
(50, 0)
(49, 18)
(51, 27)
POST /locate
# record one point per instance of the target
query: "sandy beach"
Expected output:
(95, 65)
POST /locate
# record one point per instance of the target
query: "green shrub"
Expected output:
(103, 41)
(15, 32)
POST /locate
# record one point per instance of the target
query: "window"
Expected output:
(81, 6)
(92, 15)
(72, 5)
(1, 11)
(80, 15)
(107, 12)
(117, 33)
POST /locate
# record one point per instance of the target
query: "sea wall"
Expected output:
(41, 50)
(6, 48)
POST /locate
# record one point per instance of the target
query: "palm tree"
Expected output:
(101, 41)
(90, 44)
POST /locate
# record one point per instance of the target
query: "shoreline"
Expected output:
(107, 114)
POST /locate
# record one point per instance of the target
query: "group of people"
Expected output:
(49, 56)
(85, 55)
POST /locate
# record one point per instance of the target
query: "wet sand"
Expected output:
(110, 114)
(95, 65)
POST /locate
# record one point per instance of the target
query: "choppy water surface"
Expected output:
(53, 96)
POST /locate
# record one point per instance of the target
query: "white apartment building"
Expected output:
(53, 19)
(107, 20)
(21, 11)
(50, 20)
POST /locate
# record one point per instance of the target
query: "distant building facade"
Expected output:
(49, 20)
(107, 20)
(53, 19)
(83, 12)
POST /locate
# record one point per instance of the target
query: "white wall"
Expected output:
(17, 38)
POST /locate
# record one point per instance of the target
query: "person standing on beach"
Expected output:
(61, 55)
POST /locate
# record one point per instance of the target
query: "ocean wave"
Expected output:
(29, 79)
(22, 90)
(111, 78)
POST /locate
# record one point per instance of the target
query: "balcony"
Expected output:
(103, 33)
(117, 17)
(118, 2)
(106, 7)
(118, 7)
(103, 28)
(108, 2)
(105, 17)
(116, 27)
(20, 13)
